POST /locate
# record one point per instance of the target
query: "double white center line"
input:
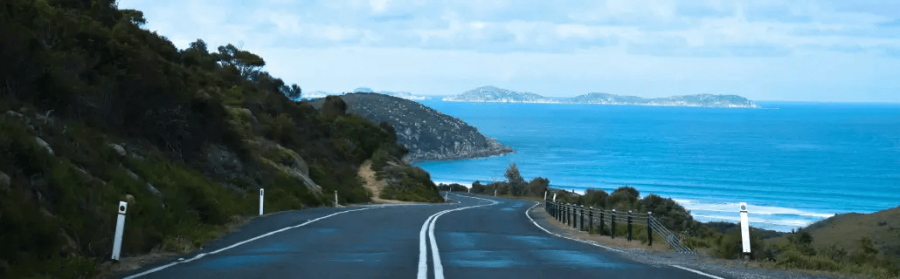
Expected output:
(435, 255)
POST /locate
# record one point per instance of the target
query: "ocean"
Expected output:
(793, 163)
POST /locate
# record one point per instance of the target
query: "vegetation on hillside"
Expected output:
(96, 110)
(404, 182)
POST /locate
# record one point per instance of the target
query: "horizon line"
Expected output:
(753, 100)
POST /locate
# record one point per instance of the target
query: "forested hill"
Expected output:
(95, 110)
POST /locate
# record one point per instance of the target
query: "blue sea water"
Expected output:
(793, 163)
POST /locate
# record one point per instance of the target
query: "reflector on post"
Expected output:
(745, 230)
(261, 195)
(120, 228)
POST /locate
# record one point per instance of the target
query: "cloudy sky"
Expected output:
(795, 50)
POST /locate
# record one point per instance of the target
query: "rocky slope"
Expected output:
(427, 133)
(498, 95)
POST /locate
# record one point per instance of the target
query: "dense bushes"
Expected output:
(454, 187)
(407, 183)
(514, 185)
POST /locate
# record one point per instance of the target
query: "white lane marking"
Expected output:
(201, 255)
(435, 254)
(609, 248)
(423, 250)
(698, 272)
(562, 236)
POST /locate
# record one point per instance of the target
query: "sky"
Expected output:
(823, 50)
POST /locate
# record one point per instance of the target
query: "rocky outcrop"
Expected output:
(287, 161)
(427, 133)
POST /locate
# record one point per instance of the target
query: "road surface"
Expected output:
(475, 237)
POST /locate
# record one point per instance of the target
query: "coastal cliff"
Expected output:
(427, 133)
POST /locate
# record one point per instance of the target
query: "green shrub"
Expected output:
(797, 259)
(410, 184)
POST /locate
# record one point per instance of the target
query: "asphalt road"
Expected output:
(477, 237)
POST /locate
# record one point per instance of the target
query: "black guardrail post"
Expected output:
(612, 229)
(566, 214)
(553, 208)
(575, 217)
(629, 225)
(582, 218)
(590, 220)
(601, 221)
(649, 231)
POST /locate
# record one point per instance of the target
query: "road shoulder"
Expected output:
(663, 256)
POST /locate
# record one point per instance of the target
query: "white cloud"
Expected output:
(558, 44)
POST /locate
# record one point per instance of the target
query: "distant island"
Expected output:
(398, 94)
(491, 94)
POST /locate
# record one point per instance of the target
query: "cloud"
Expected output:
(538, 26)
(624, 31)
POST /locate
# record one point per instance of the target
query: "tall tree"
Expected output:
(515, 180)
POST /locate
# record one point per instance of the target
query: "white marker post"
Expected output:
(554, 197)
(261, 198)
(495, 192)
(120, 228)
(335, 198)
(745, 230)
(545, 195)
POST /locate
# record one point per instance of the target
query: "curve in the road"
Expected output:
(435, 253)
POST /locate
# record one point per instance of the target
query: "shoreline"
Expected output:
(777, 218)
(415, 162)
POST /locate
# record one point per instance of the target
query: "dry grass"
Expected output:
(374, 185)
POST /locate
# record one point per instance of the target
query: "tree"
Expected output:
(594, 197)
(293, 92)
(537, 186)
(477, 187)
(244, 61)
(623, 198)
(515, 180)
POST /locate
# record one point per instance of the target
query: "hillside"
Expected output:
(96, 110)
(427, 133)
(845, 231)
(498, 95)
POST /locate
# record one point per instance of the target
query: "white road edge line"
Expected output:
(698, 272)
(435, 254)
(201, 255)
(608, 248)
(562, 236)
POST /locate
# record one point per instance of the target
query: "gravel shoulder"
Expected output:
(661, 254)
